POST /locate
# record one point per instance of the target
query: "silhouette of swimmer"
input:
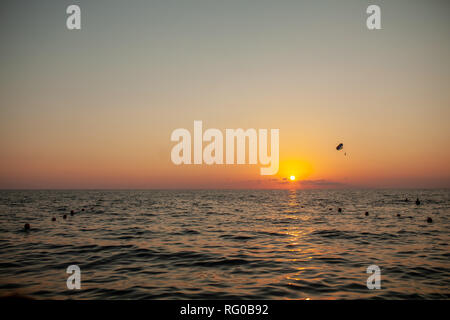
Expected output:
(398, 215)
(429, 220)
(417, 201)
(65, 216)
(72, 212)
(53, 219)
(82, 209)
(406, 200)
(339, 210)
(26, 227)
(367, 213)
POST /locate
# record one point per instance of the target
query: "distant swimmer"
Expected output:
(399, 215)
(72, 213)
(417, 201)
(26, 227)
(53, 219)
(367, 213)
(65, 216)
(339, 210)
(406, 200)
(82, 209)
(429, 220)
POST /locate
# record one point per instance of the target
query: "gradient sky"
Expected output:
(95, 108)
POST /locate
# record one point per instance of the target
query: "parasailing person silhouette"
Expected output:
(339, 147)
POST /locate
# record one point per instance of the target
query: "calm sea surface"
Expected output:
(284, 244)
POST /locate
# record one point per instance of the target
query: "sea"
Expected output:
(226, 244)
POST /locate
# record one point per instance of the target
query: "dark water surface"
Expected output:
(284, 244)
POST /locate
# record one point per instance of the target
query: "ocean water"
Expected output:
(261, 244)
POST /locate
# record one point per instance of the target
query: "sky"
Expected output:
(95, 108)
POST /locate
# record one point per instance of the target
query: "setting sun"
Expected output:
(292, 178)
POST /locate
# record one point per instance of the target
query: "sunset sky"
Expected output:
(95, 108)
